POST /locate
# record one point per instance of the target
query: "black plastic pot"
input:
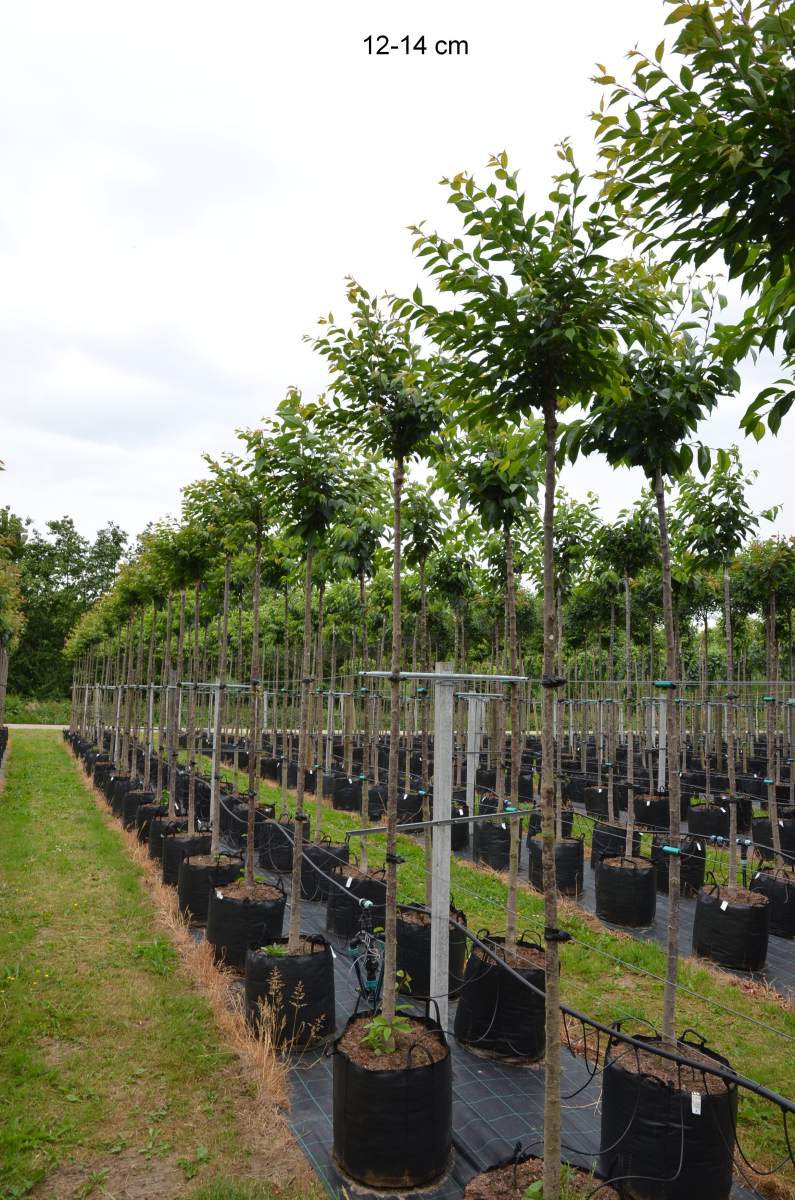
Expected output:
(626, 892)
(491, 843)
(196, 880)
(393, 1128)
(657, 1140)
(731, 933)
(236, 924)
(121, 786)
(596, 801)
(298, 990)
(177, 846)
(414, 952)
(609, 841)
(778, 884)
(496, 1014)
(319, 861)
(569, 865)
(654, 813)
(346, 794)
(276, 847)
(144, 815)
(459, 834)
(693, 861)
(762, 835)
(376, 801)
(130, 805)
(160, 828)
(710, 820)
(343, 910)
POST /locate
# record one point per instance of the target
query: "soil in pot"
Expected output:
(498, 1016)
(414, 951)
(241, 916)
(731, 931)
(667, 1130)
(393, 1112)
(778, 884)
(292, 993)
(626, 891)
(197, 876)
(510, 1181)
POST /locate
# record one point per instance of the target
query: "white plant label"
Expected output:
(724, 905)
(695, 1103)
(349, 881)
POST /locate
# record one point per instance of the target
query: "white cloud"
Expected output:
(186, 185)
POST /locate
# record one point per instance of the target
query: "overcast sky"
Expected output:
(185, 186)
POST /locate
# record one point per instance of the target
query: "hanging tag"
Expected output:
(699, 847)
(349, 881)
(405, 795)
(724, 905)
(503, 825)
(220, 895)
(695, 1103)
(349, 779)
(460, 812)
(781, 823)
(333, 952)
(756, 876)
(648, 802)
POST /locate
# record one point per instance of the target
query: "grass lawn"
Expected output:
(596, 985)
(113, 1079)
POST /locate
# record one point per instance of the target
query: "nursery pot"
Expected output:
(692, 863)
(161, 828)
(626, 891)
(393, 1125)
(121, 786)
(276, 847)
(762, 835)
(608, 841)
(496, 1014)
(346, 794)
(569, 864)
(459, 834)
(197, 877)
(778, 884)
(175, 847)
(319, 861)
(731, 932)
(414, 950)
(666, 1139)
(242, 920)
(491, 843)
(143, 818)
(298, 990)
(343, 910)
(130, 805)
(710, 820)
(511, 1178)
(534, 823)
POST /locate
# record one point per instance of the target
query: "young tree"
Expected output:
(700, 150)
(717, 521)
(309, 481)
(670, 389)
(382, 401)
(537, 321)
(496, 473)
(628, 545)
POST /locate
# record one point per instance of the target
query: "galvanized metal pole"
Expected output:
(440, 857)
(475, 710)
(661, 764)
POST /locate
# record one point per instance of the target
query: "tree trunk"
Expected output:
(551, 1181)
(424, 722)
(390, 924)
(674, 865)
(190, 740)
(770, 728)
(516, 745)
(366, 735)
(215, 784)
(286, 705)
(254, 736)
(727, 620)
(294, 939)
